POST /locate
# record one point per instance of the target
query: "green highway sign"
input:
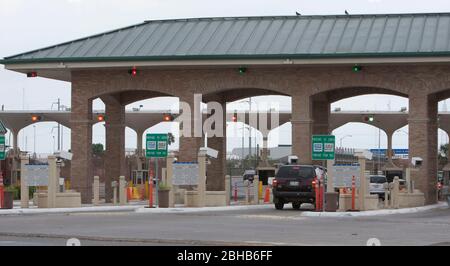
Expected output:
(2, 147)
(323, 147)
(156, 145)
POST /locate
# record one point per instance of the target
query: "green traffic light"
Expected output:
(357, 68)
(371, 118)
(242, 70)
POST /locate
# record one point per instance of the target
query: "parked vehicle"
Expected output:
(294, 184)
(376, 185)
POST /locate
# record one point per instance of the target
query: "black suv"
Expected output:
(294, 183)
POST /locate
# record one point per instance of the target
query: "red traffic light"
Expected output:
(133, 72)
(168, 118)
(35, 118)
(32, 74)
(234, 118)
(100, 118)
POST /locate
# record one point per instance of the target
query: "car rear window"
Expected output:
(378, 179)
(295, 172)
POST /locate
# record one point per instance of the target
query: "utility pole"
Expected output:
(34, 140)
(250, 129)
(58, 103)
(379, 152)
(59, 127)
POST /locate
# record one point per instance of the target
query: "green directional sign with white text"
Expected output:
(323, 147)
(2, 147)
(157, 145)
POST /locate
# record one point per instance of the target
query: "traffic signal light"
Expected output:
(133, 72)
(234, 118)
(369, 118)
(100, 118)
(242, 70)
(357, 68)
(168, 118)
(32, 74)
(35, 118)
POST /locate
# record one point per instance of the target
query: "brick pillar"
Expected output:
(81, 143)
(190, 145)
(423, 143)
(302, 127)
(216, 171)
(321, 116)
(115, 145)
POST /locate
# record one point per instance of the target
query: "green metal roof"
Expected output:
(258, 38)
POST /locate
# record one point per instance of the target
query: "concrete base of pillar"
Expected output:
(191, 199)
(216, 198)
(410, 200)
(63, 200)
(212, 199)
(345, 202)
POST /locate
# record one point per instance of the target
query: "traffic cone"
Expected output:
(267, 195)
(129, 193)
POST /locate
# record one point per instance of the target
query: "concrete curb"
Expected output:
(69, 210)
(132, 208)
(441, 205)
(205, 209)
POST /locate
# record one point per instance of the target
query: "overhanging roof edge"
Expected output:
(222, 57)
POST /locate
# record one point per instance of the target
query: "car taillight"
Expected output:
(274, 183)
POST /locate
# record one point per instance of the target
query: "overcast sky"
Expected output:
(30, 24)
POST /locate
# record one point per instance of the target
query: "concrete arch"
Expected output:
(338, 94)
(366, 124)
(237, 94)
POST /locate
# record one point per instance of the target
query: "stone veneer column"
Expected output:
(321, 116)
(115, 145)
(190, 145)
(81, 142)
(302, 127)
(423, 143)
(216, 171)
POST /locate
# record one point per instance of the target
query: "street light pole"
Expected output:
(340, 140)
(34, 140)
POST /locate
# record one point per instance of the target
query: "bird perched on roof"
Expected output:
(298, 14)
(346, 12)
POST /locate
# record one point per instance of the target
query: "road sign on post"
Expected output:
(157, 145)
(2, 147)
(323, 147)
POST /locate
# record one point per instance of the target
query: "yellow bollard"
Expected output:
(146, 189)
(260, 190)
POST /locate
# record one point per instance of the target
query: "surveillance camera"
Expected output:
(210, 152)
(292, 159)
(416, 161)
(64, 155)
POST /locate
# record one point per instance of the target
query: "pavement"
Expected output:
(237, 225)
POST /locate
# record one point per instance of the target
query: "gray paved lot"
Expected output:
(245, 227)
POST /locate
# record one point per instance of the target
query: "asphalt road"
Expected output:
(243, 227)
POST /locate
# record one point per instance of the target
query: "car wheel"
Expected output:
(296, 206)
(279, 205)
